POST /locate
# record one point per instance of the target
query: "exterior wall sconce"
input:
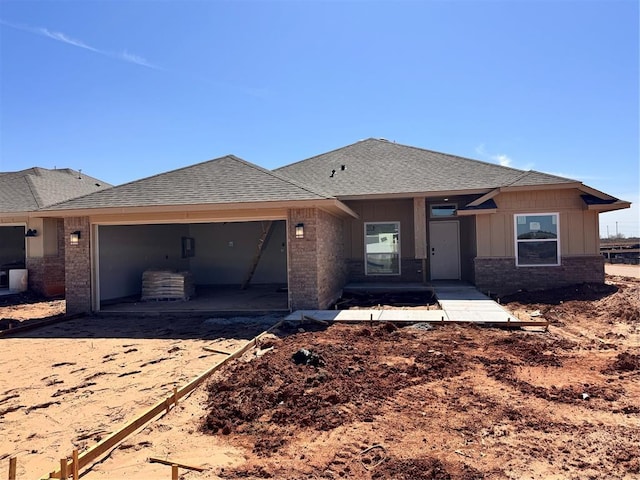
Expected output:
(31, 233)
(74, 237)
(300, 230)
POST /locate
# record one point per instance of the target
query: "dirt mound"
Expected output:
(624, 305)
(454, 401)
(275, 391)
(625, 362)
(532, 350)
(603, 302)
(412, 469)
(423, 469)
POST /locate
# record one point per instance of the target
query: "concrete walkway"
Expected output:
(463, 303)
(458, 303)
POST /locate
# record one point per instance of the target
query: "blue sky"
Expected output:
(128, 89)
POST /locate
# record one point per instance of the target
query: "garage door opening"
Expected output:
(12, 252)
(234, 266)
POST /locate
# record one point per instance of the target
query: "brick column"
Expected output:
(78, 266)
(316, 265)
(332, 268)
(302, 263)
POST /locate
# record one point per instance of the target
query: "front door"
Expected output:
(444, 250)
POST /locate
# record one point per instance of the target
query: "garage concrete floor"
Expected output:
(211, 300)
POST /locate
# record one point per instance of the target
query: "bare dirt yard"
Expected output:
(68, 385)
(352, 401)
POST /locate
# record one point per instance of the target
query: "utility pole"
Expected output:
(608, 232)
(616, 229)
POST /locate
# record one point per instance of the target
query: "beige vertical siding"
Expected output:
(578, 227)
(50, 230)
(591, 224)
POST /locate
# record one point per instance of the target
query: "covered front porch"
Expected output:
(409, 240)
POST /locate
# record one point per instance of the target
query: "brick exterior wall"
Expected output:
(78, 266)
(410, 271)
(301, 265)
(46, 274)
(332, 271)
(316, 264)
(501, 276)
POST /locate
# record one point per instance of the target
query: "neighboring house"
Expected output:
(30, 241)
(374, 211)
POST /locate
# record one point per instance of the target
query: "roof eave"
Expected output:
(595, 193)
(330, 204)
(339, 208)
(432, 194)
(544, 186)
(617, 205)
(16, 213)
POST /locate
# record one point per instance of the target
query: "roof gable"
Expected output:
(378, 167)
(224, 180)
(35, 188)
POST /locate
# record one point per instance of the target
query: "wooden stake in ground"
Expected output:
(12, 468)
(64, 469)
(181, 465)
(75, 466)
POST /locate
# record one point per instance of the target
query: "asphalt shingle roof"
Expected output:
(35, 188)
(223, 180)
(376, 166)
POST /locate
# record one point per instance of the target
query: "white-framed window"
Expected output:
(443, 210)
(382, 248)
(537, 239)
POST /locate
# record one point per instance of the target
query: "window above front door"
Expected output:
(443, 210)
